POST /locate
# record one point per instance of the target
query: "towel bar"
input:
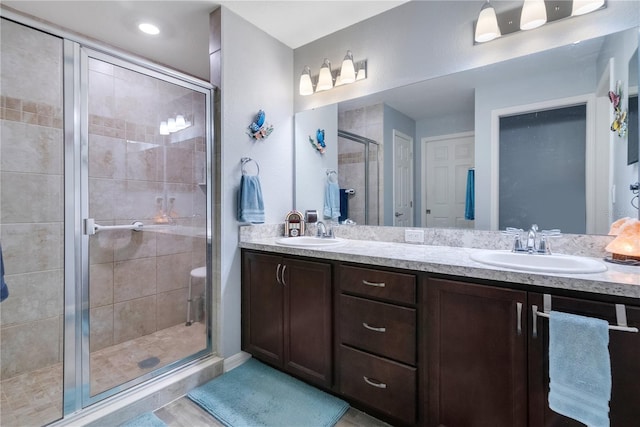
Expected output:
(244, 161)
(621, 316)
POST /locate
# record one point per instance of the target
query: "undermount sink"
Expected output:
(554, 263)
(311, 242)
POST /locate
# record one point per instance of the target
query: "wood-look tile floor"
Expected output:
(184, 413)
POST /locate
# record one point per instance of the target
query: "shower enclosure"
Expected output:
(358, 169)
(105, 210)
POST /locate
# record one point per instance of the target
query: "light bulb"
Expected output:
(325, 79)
(534, 14)
(306, 85)
(487, 26)
(347, 71)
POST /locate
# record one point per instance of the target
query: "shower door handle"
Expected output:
(397, 214)
(91, 228)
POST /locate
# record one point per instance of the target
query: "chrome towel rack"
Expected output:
(621, 316)
(244, 161)
(91, 228)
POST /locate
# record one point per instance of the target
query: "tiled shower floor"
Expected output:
(35, 398)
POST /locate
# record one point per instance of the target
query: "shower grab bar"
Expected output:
(91, 228)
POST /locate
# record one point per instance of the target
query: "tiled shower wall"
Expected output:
(367, 122)
(139, 279)
(31, 199)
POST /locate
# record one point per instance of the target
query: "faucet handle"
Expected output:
(510, 231)
(551, 233)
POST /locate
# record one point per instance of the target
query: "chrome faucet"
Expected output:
(324, 233)
(537, 242)
(531, 239)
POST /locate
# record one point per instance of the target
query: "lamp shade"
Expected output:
(534, 14)
(487, 26)
(626, 245)
(580, 7)
(164, 128)
(180, 122)
(325, 79)
(306, 85)
(348, 70)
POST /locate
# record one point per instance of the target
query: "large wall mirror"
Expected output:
(415, 151)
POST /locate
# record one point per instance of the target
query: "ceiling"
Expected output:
(184, 39)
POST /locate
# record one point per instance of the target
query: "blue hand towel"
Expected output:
(332, 200)
(250, 203)
(4, 290)
(469, 207)
(579, 368)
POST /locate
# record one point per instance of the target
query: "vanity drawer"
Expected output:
(380, 383)
(387, 285)
(385, 329)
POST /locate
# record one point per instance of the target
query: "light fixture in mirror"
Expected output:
(487, 26)
(534, 14)
(580, 7)
(306, 85)
(325, 79)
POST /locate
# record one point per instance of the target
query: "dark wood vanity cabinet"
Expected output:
(287, 314)
(485, 367)
(376, 341)
(624, 352)
(476, 355)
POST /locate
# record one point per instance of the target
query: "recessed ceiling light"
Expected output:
(147, 28)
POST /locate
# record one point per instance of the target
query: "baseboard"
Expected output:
(235, 360)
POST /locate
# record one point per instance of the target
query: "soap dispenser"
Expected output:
(294, 224)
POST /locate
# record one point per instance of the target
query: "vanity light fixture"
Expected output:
(487, 26)
(350, 72)
(173, 124)
(580, 7)
(534, 14)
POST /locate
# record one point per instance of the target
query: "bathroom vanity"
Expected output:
(423, 335)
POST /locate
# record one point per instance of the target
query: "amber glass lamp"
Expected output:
(626, 245)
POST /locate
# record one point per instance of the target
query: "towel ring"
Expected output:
(244, 161)
(332, 175)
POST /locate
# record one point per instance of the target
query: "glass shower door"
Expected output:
(145, 206)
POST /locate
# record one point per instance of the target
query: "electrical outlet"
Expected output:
(414, 236)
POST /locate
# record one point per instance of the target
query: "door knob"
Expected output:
(397, 214)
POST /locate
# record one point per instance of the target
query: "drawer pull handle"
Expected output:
(374, 383)
(377, 285)
(278, 274)
(373, 328)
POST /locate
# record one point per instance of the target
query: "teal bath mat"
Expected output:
(145, 420)
(254, 394)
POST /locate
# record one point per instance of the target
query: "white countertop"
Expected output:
(618, 280)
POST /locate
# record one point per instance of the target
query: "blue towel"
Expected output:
(344, 205)
(332, 200)
(250, 203)
(579, 368)
(4, 290)
(470, 202)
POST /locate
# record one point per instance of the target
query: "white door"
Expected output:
(402, 179)
(446, 163)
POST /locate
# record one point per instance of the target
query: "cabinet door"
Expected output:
(308, 351)
(263, 307)
(624, 351)
(477, 369)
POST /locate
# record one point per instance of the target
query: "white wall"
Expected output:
(310, 165)
(256, 74)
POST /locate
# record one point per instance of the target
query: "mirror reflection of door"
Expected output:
(446, 162)
(402, 179)
(542, 170)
